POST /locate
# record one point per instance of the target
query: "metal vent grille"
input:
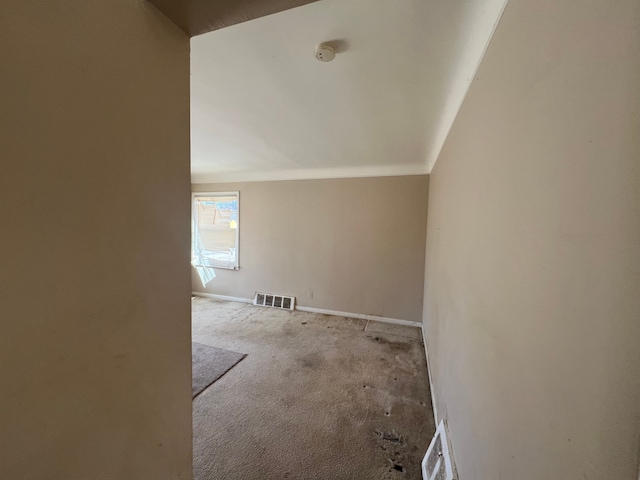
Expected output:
(436, 464)
(276, 301)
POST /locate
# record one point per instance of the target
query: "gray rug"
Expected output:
(209, 364)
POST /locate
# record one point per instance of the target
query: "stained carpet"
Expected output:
(318, 397)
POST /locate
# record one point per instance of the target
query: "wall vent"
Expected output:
(276, 301)
(436, 464)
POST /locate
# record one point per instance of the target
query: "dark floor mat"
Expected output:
(209, 364)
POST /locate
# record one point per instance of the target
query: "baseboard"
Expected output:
(433, 398)
(222, 297)
(361, 316)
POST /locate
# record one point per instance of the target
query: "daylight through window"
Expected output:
(215, 232)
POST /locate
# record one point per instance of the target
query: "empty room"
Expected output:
(309, 213)
(310, 132)
(294, 239)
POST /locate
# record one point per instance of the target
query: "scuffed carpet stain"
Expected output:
(316, 398)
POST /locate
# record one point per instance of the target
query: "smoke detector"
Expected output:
(325, 52)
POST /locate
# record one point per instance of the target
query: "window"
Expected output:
(215, 230)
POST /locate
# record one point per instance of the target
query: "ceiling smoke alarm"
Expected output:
(325, 52)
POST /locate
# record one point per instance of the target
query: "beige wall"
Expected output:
(95, 357)
(532, 307)
(357, 243)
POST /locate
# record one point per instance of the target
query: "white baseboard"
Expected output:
(361, 316)
(433, 397)
(222, 297)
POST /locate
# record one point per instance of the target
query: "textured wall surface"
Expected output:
(358, 243)
(532, 307)
(95, 348)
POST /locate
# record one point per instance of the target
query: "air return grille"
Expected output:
(276, 301)
(436, 464)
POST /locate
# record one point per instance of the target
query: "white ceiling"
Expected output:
(263, 108)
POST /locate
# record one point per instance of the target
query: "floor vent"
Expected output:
(276, 301)
(436, 464)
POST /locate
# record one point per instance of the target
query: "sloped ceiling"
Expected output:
(263, 108)
(196, 17)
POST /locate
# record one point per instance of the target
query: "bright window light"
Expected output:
(215, 230)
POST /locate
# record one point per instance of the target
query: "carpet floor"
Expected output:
(317, 397)
(209, 364)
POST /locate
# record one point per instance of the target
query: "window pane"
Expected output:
(215, 232)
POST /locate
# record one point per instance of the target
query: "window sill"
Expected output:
(215, 268)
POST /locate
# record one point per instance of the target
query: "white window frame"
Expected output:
(194, 197)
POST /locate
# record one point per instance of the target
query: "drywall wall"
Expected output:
(95, 348)
(357, 243)
(532, 307)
